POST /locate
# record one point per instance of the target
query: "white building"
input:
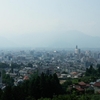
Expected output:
(77, 51)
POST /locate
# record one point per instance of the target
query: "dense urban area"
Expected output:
(41, 74)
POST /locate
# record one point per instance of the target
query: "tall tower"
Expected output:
(77, 51)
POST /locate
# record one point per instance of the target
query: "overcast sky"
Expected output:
(18, 17)
(23, 16)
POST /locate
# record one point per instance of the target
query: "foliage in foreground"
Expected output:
(38, 86)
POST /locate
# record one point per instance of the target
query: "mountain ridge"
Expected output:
(52, 39)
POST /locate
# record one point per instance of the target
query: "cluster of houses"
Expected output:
(82, 87)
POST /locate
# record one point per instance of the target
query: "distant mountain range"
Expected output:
(67, 39)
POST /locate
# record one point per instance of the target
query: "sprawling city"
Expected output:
(64, 63)
(70, 66)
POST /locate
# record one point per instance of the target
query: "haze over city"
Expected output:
(50, 23)
(49, 50)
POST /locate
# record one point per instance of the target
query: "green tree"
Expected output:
(7, 95)
(7, 79)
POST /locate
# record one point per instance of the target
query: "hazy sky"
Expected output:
(24, 16)
(18, 17)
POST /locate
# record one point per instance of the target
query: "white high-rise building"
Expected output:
(77, 51)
